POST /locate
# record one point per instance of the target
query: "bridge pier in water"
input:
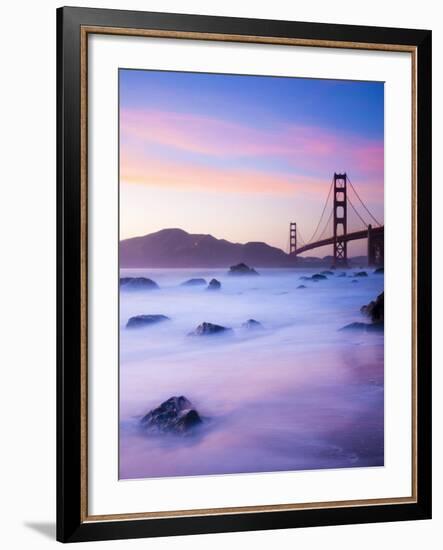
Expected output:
(376, 248)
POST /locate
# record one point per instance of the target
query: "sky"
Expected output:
(240, 157)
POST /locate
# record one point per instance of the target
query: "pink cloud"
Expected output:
(151, 171)
(302, 146)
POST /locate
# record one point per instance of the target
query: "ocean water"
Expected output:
(299, 394)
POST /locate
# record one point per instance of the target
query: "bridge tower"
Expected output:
(292, 237)
(340, 221)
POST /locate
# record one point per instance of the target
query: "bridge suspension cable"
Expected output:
(319, 235)
(300, 238)
(326, 226)
(355, 210)
(323, 212)
(363, 204)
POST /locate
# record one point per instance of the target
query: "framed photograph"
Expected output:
(236, 199)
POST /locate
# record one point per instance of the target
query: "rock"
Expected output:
(365, 327)
(379, 271)
(342, 274)
(354, 281)
(194, 282)
(241, 269)
(214, 285)
(326, 272)
(375, 309)
(360, 274)
(176, 415)
(137, 283)
(209, 329)
(252, 324)
(140, 321)
(301, 286)
(318, 277)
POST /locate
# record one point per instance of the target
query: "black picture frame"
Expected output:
(71, 524)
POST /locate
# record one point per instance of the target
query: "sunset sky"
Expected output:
(240, 157)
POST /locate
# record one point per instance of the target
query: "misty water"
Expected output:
(297, 394)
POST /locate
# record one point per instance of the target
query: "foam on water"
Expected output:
(299, 394)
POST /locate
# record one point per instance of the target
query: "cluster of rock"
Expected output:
(177, 415)
(375, 310)
(204, 329)
(144, 283)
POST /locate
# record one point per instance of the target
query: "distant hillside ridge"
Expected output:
(177, 248)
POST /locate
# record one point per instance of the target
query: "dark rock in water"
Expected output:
(140, 321)
(241, 269)
(252, 324)
(366, 327)
(379, 271)
(318, 277)
(194, 282)
(301, 286)
(342, 274)
(214, 285)
(176, 415)
(137, 283)
(354, 281)
(375, 309)
(209, 329)
(326, 272)
(360, 274)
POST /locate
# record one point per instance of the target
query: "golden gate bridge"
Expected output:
(343, 228)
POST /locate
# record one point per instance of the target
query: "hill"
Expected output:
(177, 248)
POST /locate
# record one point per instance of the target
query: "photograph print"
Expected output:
(251, 272)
